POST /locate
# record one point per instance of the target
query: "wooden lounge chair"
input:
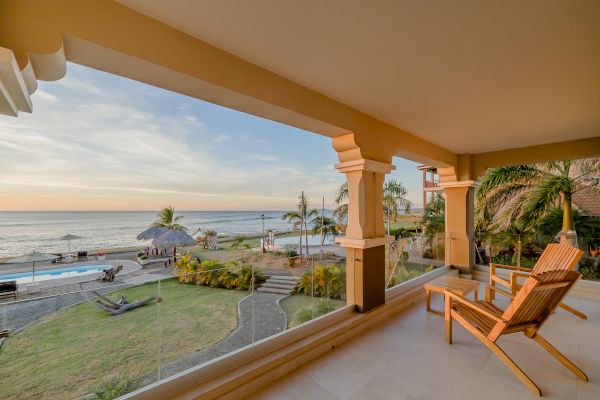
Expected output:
(527, 313)
(119, 308)
(556, 255)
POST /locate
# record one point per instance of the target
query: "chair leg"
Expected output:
(448, 318)
(501, 355)
(572, 310)
(560, 357)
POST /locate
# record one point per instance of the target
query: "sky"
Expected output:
(97, 141)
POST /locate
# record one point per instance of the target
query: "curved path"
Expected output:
(267, 319)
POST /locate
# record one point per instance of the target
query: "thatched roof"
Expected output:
(151, 233)
(174, 238)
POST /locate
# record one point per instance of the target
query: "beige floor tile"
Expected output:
(406, 357)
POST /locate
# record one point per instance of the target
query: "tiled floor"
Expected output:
(407, 358)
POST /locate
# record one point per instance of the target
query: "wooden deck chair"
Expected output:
(555, 256)
(527, 313)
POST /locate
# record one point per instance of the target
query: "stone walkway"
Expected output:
(267, 319)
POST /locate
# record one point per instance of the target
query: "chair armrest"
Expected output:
(457, 297)
(521, 274)
(510, 267)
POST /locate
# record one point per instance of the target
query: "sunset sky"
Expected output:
(101, 142)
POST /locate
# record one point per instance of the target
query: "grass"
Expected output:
(79, 347)
(296, 304)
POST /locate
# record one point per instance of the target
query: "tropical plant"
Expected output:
(401, 233)
(587, 227)
(324, 226)
(167, 219)
(213, 273)
(115, 388)
(433, 221)
(291, 250)
(394, 200)
(589, 268)
(323, 281)
(300, 218)
(239, 242)
(521, 196)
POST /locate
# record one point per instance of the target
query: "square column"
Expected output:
(365, 234)
(460, 250)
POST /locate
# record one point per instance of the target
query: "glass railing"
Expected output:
(413, 256)
(79, 337)
(524, 250)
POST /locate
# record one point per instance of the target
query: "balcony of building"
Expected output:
(460, 88)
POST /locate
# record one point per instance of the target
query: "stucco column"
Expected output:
(459, 251)
(365, 234)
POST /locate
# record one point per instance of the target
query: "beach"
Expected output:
(23, 232)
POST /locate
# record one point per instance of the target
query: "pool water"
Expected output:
(57, 273)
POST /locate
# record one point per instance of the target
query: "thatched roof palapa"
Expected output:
(174, 238)
(151, 233)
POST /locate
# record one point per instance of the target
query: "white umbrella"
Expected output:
(32, 258)
(70, 237)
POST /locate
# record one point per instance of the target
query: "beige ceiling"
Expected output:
(469, 75)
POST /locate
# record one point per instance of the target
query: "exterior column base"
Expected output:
(365, 277)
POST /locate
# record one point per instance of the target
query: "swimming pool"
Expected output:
(57, 273)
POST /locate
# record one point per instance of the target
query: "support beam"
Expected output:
(459, 250)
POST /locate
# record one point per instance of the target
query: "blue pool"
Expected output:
(56, 273)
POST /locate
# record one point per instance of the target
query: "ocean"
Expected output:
(23, 232)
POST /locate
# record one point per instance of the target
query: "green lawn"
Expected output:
(64, 355)
(300, 302)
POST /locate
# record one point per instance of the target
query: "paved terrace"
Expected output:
(407, 358)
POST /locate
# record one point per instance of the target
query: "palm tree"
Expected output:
(300, 218)
(433, 220)
(325, 226)
(167, 219)
(394, 200)
(520, 196)
(239, 242)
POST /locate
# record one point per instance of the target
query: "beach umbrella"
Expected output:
(174, 238)
(70, 237)
(32, 258)
(151, 233)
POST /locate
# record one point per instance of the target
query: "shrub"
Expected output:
(428, 253)
(115, 387)
(589, 268)
(323, 307)
(324, 281)
(398, 233)
(213, 273)
(290, 249)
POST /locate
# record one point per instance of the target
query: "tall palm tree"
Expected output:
(394, 200)
(520, 196)
(167, 219)
(300, 218)
(325, 227)
(295, 219)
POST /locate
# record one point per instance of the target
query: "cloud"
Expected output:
(98, 136)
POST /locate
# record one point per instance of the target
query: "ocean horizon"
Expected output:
(25, 231)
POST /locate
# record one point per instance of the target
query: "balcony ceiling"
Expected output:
(478, 77)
